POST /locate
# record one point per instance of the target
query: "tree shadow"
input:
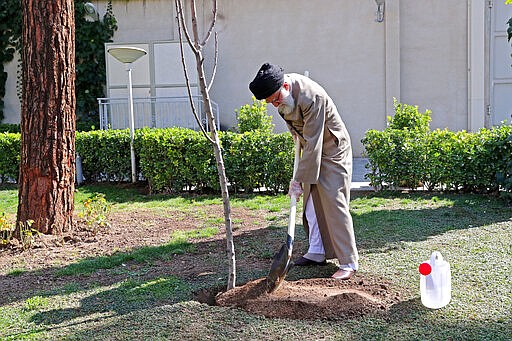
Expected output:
(139, 192)
(417, 320)
(149, 277)
(378, 229)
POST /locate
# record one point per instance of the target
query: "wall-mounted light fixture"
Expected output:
(91, 13)
(380, 10)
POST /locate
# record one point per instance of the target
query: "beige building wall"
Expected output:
(337, 42)
(418, 54)
(433, 59)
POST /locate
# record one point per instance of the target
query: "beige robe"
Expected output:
(325, 168)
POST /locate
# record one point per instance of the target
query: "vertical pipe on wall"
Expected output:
(392, 55)
(468, 43)
(476, 64)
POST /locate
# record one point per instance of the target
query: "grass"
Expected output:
(395, 232)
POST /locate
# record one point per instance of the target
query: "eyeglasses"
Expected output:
(276, 100)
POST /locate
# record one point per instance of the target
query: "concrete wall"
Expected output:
(419, 54)
(433, 40)
(338, 42)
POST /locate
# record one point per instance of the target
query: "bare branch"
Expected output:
(189, 91)
(212, 24)
(182, 24)
(193, 15)
(214, 62)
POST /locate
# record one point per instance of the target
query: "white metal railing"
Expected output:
(154, 112)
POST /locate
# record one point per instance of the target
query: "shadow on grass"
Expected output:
(127, 193)
(412, 321)
(150, 280)
(129, 296)
(382, 229)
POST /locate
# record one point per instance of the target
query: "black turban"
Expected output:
(267, 81)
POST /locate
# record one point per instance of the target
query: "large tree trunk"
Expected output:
(47, 165)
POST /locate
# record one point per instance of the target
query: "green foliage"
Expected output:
(254, 117)
(36, 303)
(90, 56)
(91, 37)
(257, 159)
(9, 128)
(408, 117)
(6, 230)
(105, 154)
(396, 158)
(10, 146)
(175, 159)
(27, 234)
(95, 213)
(441, 159)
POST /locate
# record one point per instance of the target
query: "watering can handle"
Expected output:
(436, 257)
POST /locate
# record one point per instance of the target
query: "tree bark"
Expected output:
(47, 165)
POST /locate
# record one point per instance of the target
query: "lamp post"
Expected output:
(127, 55)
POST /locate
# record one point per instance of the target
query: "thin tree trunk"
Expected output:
(196, 45)
(47, 165)
(230, 250)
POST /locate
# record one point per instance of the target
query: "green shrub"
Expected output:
(279, 165)
(396, 158)
(254, 117)
(175, 159)
(105, 154)
(9, 128)
(246, 160)
(10, 148)
(408, 117)
(408, 154)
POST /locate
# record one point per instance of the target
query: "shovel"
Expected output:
(282, 260)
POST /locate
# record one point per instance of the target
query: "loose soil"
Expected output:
(315, 297)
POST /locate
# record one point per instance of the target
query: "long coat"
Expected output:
(325, 168)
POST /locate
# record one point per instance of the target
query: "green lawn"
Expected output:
(394, 231)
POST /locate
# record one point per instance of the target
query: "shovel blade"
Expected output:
(281, 264)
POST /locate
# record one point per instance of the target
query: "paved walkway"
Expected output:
(358, 172)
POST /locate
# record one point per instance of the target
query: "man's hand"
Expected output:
(295, 189)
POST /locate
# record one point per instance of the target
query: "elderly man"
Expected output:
(325, 168)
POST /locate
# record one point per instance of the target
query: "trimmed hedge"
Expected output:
(105, 154)
(10, 147)
(258, 159)
(9, 128)
(412, 156)
(175, 159)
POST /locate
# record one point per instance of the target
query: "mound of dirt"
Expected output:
(316, 298)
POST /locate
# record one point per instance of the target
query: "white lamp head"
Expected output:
(126, 54)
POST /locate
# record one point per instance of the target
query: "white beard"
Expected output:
(287, 105)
